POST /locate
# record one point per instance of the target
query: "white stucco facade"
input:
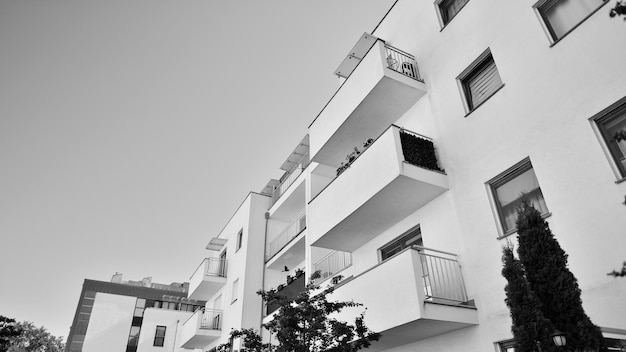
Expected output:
(111, 319)
(171, 320)
(541, 116)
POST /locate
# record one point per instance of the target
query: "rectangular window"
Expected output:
(510, 188)
(239, 239)
(411, 238)
(480, 81)
(133, 337)
(449, 8)
(612, 126)
(615, 345)
(562, 16)
(235, 291)
(506, 346)
(159, 336)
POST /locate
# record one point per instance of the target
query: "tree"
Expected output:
(32, 339)
(556, 288)
(530, 328)
(305, 324)
(619, 9)
(8, 331)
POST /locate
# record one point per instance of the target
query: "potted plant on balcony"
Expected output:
(289, 279)
(299, 272)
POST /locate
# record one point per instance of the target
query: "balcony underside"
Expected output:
(207, 287)
(202, 338)
(404, 195)
(415, 331)
(388, 100)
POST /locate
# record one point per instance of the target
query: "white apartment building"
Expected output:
(457, 107)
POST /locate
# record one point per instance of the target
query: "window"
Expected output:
(562, 16)
(411, 238)
(613, 345)
(480, 81)
(133, 337)
(509, 190)
(159, 336)
(506, 346)
(449, 8)
(234, 292)
(239, 239)
(612, 126)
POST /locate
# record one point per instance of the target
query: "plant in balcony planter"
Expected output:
(353, 155)
(289, 279)
(280, 287)
(299, 272)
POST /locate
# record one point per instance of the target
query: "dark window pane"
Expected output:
(449, 9)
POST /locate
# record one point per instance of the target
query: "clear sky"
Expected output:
(130, 131)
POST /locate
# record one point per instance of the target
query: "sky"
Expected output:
(130, 131)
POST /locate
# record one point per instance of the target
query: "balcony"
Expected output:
(395, 176)
(208, 278)
(284, 241)
(419, 294)
(202, 328)
(289, 178)
(331, 264)
(382, 83)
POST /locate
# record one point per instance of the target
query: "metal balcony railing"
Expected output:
(442, 275)
(402, 62)
(286, 235)
(215, 267)
(290, 177)
(211, 319)
(331, 264)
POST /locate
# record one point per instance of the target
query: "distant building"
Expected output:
(129, 316)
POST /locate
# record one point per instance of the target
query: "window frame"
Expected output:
(239, 240)
(506, 345)
(156, 336)
(234, 291)
(472, 71)
(614, 111)
(414, 231)
(545, 24)
(503, 178)
(443, 20)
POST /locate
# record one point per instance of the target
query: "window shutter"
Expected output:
(483, 83)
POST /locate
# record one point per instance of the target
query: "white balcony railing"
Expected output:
(402, 62)
(290, 177)
(286, 235)
(215, 267)
(331, 264)
(442, 275)
(211, 319)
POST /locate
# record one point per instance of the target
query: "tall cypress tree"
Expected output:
(556, 288)
(530, 327)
